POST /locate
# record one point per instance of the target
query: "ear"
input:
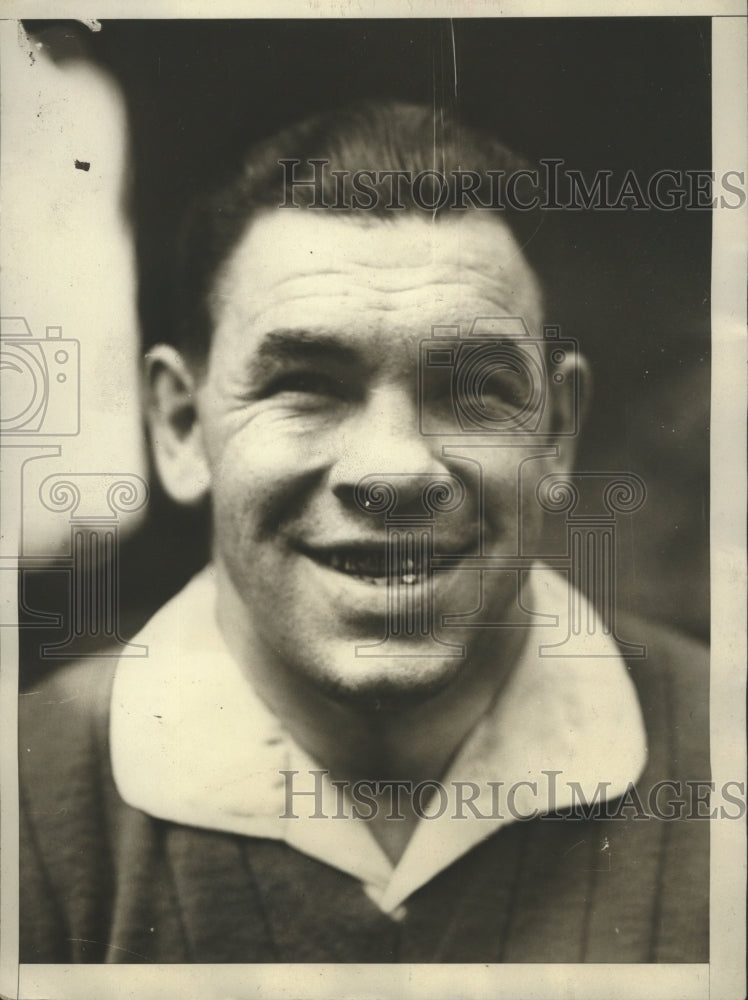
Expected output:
(570, 396)
(170, 404)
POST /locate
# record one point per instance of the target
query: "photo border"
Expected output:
(724, 977)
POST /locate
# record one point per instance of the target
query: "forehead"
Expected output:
(305, 270)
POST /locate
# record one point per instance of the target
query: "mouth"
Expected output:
(375, 565)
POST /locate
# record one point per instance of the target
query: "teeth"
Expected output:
(408, 577)
(371, 566)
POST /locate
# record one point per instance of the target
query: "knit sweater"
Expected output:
(103, 882)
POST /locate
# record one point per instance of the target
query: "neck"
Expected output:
(364, 737)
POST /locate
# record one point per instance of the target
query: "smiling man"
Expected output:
(348, 741)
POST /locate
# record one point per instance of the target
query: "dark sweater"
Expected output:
(102, 882)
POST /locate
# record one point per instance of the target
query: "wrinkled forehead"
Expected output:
(301, 269)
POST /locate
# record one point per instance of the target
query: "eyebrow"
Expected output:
(278, 346)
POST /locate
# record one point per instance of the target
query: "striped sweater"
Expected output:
(102, 882)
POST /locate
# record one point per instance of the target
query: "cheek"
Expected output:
(510, 479)
(271, 445)
(260, 481)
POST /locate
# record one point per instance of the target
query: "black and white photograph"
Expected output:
(372, 570)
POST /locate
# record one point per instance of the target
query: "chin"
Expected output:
(383, 683)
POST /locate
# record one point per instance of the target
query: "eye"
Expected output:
(506, 383)
(308, 383)
(492, 380)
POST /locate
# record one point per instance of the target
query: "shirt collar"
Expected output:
(192, 743)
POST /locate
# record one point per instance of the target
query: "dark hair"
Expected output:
(368, 136)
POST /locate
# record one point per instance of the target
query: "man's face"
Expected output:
(312, 384)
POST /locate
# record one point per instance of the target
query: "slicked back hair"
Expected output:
(373, 137)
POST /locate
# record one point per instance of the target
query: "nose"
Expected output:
(384, 440)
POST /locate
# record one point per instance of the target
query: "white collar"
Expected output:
(192, 743)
